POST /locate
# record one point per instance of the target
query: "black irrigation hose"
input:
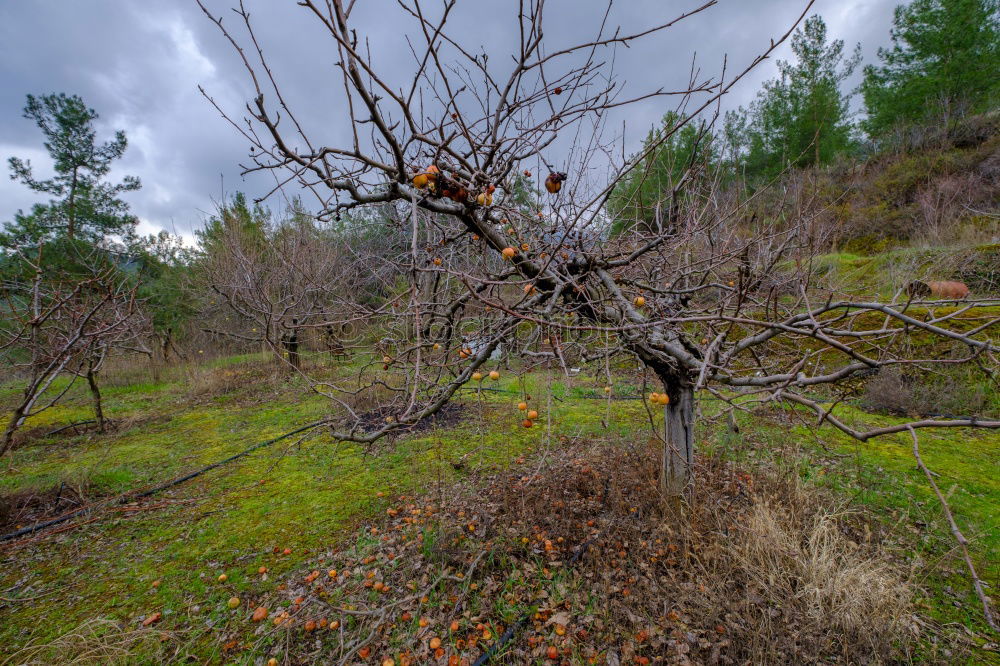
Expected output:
(485, 657)
(122, 499)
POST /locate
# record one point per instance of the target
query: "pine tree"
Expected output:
(84, 207)
(645, 196)
(944, 63)
(802, 117)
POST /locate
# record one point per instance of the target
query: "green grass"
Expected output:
(302, 495)
(313, 493)
(882, 275)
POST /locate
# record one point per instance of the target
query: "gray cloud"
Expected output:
(139, 65)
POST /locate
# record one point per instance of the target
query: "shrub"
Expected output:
(899, 392)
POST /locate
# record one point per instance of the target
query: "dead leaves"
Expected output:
(576, 550)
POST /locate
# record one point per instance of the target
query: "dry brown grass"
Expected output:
(254, 377)
(97, 641)
(845, 600)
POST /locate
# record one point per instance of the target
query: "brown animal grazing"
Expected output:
(944, 290)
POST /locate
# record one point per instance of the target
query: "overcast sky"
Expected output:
(139, 64)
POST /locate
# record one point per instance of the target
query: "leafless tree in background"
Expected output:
(56, 324)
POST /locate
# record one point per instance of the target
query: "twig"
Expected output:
(40, 596)
(962, 541)
(381, 611)
(67, 427)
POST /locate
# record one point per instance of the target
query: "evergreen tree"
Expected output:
(238, 218)
(945, 62)
(71, 298)
(645, 196)
(802, 117)
(84, 207)
(164, 275)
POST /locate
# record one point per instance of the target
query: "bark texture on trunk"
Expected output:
(95, 393)
(16, 419)
(678, 448)
(291, 343)
(167, 340)
(21, 412)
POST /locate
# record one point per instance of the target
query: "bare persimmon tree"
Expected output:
(456, 150)
(63, 323)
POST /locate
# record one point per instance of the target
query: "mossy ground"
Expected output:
(308, 493)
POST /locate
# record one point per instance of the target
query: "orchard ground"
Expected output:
(269, 519)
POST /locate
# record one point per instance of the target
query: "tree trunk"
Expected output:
(165, 349)
(678, 447)
(71, 226)
(20, 414)
(291, 344)
(16, 419)
(95, 393)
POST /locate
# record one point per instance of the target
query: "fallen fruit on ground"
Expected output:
(259, 614)
(234, 602)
